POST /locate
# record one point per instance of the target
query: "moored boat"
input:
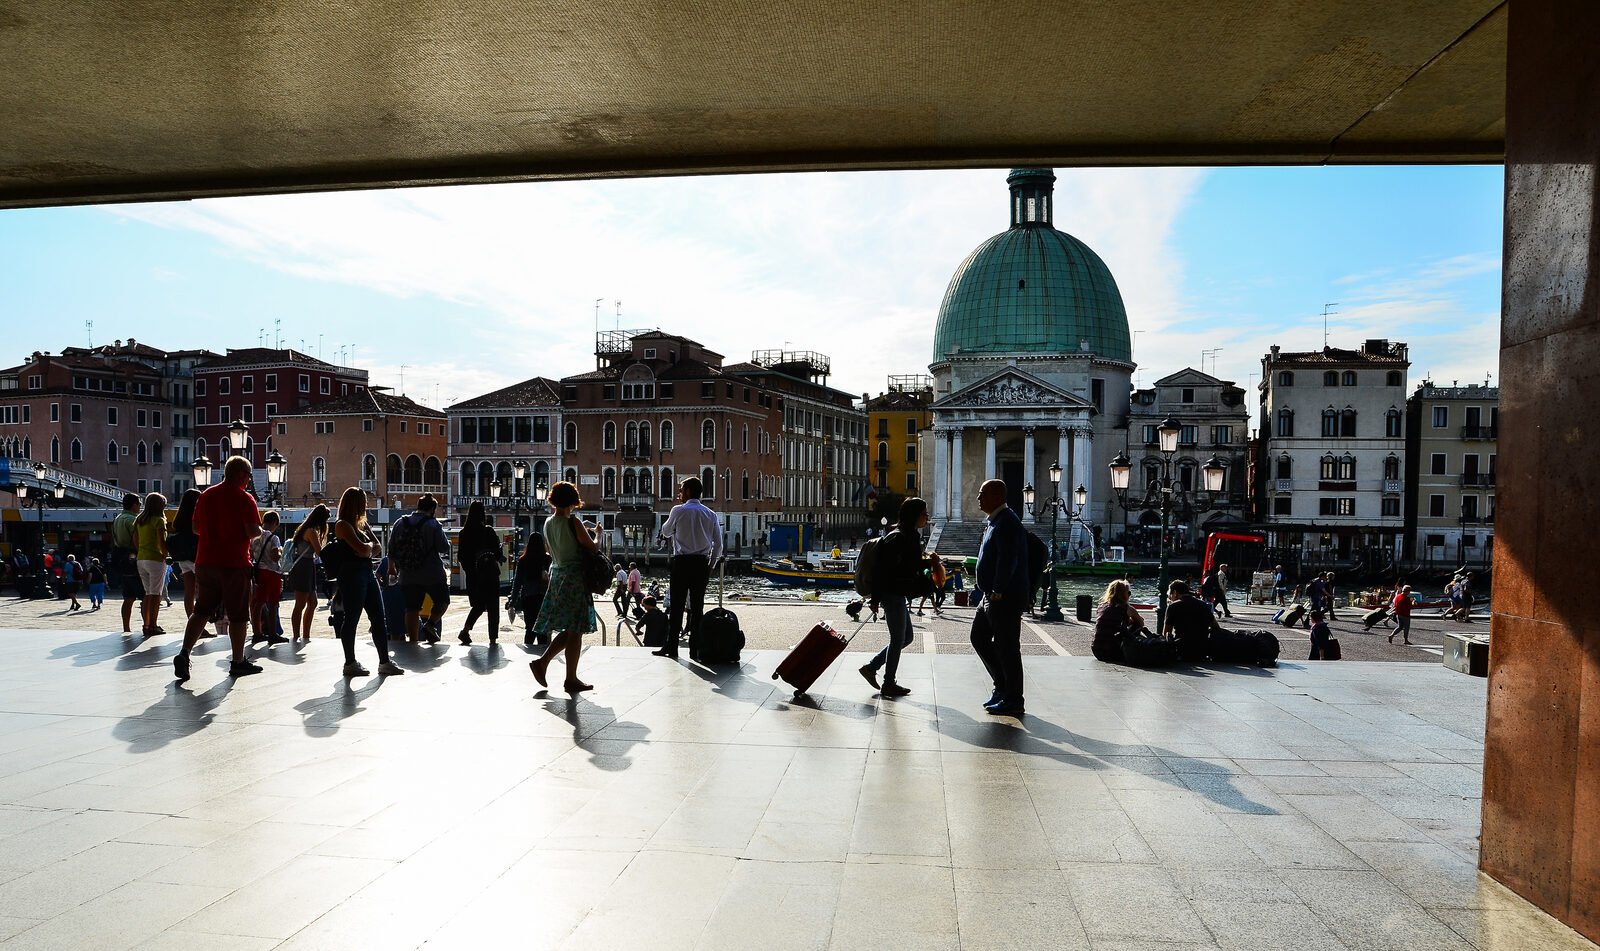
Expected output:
(815, 570)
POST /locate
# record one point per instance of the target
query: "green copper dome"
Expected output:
(1032, 289)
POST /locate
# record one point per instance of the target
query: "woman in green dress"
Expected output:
(568, 606)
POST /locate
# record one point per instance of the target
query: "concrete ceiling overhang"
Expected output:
(110, 100)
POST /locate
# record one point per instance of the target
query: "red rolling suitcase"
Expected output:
(815, 653)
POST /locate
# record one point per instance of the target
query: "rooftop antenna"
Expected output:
(319, 346)
(88, 327)
(277, 333)
(619, 315)
(403, 378)
(1326, 310)
(597, 302)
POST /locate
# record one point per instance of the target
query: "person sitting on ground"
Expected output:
(656, 624)
(1117, 616)
(1189, 621)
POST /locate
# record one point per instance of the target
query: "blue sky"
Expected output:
(473, 288)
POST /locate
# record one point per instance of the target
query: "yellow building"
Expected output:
(894, 419)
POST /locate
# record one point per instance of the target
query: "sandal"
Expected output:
(576, 686)
(538, 674)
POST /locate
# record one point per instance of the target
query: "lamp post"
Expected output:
(40, 498)
(518, 499)
(201, 468)
(1162, 492)
(277, 475)
(239, 438)
(1055, 505)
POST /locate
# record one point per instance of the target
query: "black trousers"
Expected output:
(997, 637)
(687, 591)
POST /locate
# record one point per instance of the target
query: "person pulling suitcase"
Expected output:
(696, 546)
(897, 578)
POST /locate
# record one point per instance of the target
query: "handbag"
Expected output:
(336, 556)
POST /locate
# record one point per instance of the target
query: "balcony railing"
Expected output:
(636, 500)
(1480, 432)
(316, 488)
(369, 485)
(636, 451)
(1284, 485)
(1393, 486)
(1484, 479)
(1472, 519)
(414, 488)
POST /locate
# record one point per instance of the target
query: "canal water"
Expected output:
(1144, 590)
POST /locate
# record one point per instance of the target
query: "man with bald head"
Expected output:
(1002, 576)
(227, 522)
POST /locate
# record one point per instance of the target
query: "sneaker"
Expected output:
(465, 639)
(870, 675)
(276, 639)
(919, 612)
(994, 698)
(892, 689)
(243, 668)
(1006, 709)
(354, 669)
(180, 667)
(157, 629)
(389, 669)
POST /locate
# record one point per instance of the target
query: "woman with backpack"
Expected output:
(351, 561)
(183, 543)
(897, 578)
(300, 566)
(481, 558)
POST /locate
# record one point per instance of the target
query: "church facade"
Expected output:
(1032, 366)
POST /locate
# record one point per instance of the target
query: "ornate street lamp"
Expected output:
(239, 437)
(40, 497)
(1055, 505)
(1163, 492)
(277, 475)
(201, 468)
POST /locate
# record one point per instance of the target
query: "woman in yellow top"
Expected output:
(150, 552)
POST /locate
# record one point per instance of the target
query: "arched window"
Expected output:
(744, 439)
(1330, 378)
(155, 454)
(1330, 422)
(485, 476)
(666, 435)
(883, 452)
(504, 473)
(608, 437)
(432, 472)
(571, 475)
(1285, 378)
(644, 437)
(638, 383)
(541, 474)
(646, 483)
(667, 488)
(141, 452)
(1329, 468)
(1347, 467)
(1285, 422)
(55, 449)
(76, 449)
(112, 456)
(1348, 379)
(1391, 467)
(1393, 423)
(708, 435)
(200, 448)
(1285, 467)
(630, 439)
(727, 439)
(469, 479)
(319, 470)
(569, 441)
(1392, 378)
(708, 480)
(608, 483)
(27, 448)
(1347, 422)
(744, 484)
(413, 471)
(630, 481)
(369, 467)
(393, 470)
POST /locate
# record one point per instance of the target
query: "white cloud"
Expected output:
(850, 264)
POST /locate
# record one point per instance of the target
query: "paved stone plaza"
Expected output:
(1311, 806)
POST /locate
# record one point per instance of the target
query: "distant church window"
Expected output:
(1033, 211)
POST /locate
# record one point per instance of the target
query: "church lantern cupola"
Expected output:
(1031, 189)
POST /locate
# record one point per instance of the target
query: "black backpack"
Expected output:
(408, 545)
(1038, 561)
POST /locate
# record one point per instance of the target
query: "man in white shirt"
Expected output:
(696, 548)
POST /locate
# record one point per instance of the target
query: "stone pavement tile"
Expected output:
(18, 819)
(1027, 918)
(83, 877)
(779, 905)
(1368, 914)
(1435, 876)
(1170, 812)
(295, 894)
(1132, 901)
(1095, 836)
(68, 834)
(897, 903)
(995, 827)
(1352, 818)
(1290, 842)
(541, 899)
(1055, 790)
(1235, 793)
(1246, 926)
(239, 859)
(120, 919)
(1202, 852)
(1251, 886)
(1140, 944)
(1512, 929)
(13, 926)
(177, 940)
(1305, 785)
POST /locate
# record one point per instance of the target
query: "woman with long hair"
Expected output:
(896, 579)
(358, 586)
(568, 607)
(1116, 616)
(528, 588)
(481, 559)
(183, 544)
(150, 552)
(304, 545)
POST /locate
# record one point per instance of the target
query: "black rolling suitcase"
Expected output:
(719, 638)
(1373, 617)
(1296, 615)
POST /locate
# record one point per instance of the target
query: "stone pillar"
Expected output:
(988, 453)
(1027, 466)
(1083, 461)
(1541, 764)
(941, 474)
(1064, 458)
(956, 489)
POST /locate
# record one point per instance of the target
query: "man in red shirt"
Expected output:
(227, 522)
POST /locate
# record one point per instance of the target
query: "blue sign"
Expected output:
(5, 470)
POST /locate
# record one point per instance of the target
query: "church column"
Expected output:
(1084, 453)
(956, 490)
(988, 453)
(941, 474)
(1027, 466)
(1065, 457)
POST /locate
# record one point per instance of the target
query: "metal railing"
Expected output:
(1484, 479)
(1480, 432)
(1393, 486)
(1285, 485)
(22, 471)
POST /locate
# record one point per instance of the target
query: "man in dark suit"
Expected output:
(1002, 575)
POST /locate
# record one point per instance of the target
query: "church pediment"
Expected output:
(1189, 376)
(1011, 388)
